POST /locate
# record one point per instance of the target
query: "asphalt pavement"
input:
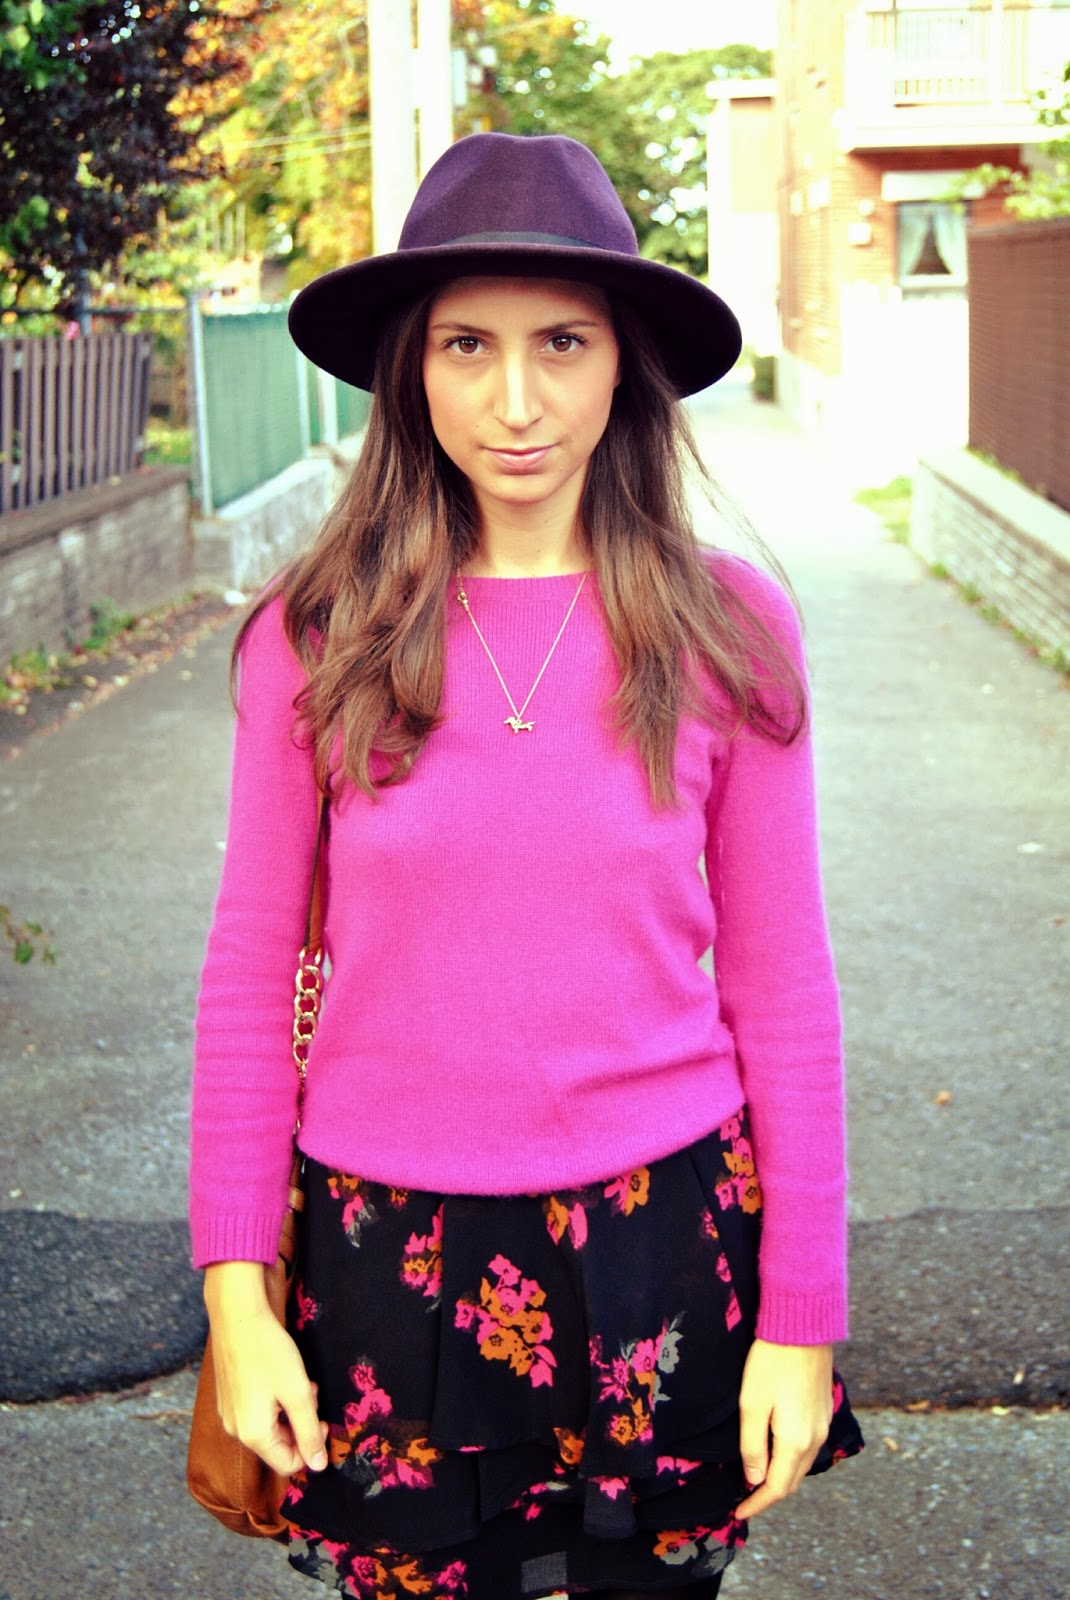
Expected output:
(944, 760)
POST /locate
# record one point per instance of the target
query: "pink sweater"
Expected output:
(515, 1003)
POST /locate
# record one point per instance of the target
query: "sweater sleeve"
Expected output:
(778, 996)
(245, 1083)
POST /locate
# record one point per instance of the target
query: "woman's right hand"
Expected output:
(265, 1397)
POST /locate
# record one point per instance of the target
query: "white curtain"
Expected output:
(913, 226)
(949, 222)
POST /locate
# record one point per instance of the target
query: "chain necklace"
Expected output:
(516, 721)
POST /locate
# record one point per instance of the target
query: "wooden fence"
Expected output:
(72, 413)
(1020, 351)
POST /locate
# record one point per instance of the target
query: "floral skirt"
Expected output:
(536, 1393)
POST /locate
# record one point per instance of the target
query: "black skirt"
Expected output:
(536, 1393)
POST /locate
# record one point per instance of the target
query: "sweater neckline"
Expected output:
(553, 577)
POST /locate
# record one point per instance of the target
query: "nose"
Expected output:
(516, 401)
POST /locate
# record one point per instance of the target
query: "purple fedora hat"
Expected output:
(496, 204)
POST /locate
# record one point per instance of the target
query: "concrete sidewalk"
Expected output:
(944, 755)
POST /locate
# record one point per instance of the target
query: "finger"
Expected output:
(754, 1445)
(777, 1486)
(308, 1433)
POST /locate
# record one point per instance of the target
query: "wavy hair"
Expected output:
(365, 607)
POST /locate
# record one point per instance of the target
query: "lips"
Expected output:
(521, 460)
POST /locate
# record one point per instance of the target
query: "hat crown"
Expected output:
(502, 186)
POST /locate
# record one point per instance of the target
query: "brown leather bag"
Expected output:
(224, 1475)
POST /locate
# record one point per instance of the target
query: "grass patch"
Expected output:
(24, 940)
(891, 503)
(167, 445)
(45, 669)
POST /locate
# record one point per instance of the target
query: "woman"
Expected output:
(533, 1351)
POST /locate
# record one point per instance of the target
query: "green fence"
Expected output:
(350, 406)
(257, 402)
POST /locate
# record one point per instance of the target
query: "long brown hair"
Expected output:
(365, 607)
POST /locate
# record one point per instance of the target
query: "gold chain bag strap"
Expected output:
(223, 1475)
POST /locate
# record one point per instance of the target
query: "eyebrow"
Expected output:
(563, 326)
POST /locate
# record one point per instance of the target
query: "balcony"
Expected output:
(949, 76)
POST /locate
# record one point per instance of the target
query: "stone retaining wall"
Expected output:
(1012, 546)
(127, 542)
(245, 543)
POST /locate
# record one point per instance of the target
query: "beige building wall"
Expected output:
(742, 162)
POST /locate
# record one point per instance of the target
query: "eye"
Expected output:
(565, 343)
(466, 343)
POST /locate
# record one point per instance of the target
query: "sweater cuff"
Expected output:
(785, 1318)
(236, 1237)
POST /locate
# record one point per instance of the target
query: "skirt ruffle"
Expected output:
(531, 1393)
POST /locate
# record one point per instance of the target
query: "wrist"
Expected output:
(235, 1289)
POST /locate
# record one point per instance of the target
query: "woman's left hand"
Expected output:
(786, 1392)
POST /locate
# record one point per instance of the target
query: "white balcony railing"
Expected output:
(972, 54)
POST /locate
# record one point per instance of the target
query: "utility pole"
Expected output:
(393, 119)
(434, 80)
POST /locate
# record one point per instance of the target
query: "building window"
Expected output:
(932, 244)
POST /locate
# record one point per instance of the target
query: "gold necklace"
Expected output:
(516, 721)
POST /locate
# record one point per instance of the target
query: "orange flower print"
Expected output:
(633, 1379)
(740, 1186)
(631, 1189)
(510, 1324)
(373, 1450)
(358, 1212)
(677, 1546)
(421, 1263)
(381, 1575)
(562, 1219)
(569, 1446)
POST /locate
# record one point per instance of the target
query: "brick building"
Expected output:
(882, 106)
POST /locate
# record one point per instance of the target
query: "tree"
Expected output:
(29, 31)
(666, 104)
(1045, 191)
(89, 158)
(647, 126)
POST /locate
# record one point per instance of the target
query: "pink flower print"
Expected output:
(561, 1219)
(421, 1263)
(307, 1309)
(631, 1189)
(612, 1487)
(357, 1215)
(731, 1128)
(732, 1314)
(505, 1272)
(374, 1402)
(510, 1324)
(452, 1577)
(621, 1369)
(680, 1466)
(723, 1271)
(645, 1358)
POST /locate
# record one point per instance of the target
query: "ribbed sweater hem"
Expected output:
(801, 1318)
(231, 1237)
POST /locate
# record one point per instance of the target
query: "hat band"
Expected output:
(524, 238)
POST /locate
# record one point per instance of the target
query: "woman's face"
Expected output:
(519, 375)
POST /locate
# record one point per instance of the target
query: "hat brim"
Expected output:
(336, 320)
